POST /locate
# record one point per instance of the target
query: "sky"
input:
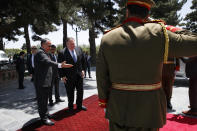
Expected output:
(83, 36)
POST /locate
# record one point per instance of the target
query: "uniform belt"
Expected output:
(136, 87)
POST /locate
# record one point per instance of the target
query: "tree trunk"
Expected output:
(1, 44)
(64, 32)
(28, 45)
(92, 45)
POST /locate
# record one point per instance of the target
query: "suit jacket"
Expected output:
(191, 67)
(20, 65)
(133, 54)
(64, 55)
(43, 68)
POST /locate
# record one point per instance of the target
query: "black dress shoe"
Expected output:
(47, 122)
(70, 109)
(50, 116)
(82, 108)
(169, 105)
(59, 100)
(51, 104)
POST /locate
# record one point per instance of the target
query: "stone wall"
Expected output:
(7, 75)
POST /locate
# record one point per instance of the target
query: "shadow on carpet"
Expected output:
(93, 120)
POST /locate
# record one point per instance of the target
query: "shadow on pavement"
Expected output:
(34, 121)
(171, 110)
(181, 82)
(24, 99)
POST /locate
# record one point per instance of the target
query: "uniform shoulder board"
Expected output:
(112, 28)
(156, 21)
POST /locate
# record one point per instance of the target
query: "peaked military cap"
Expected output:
(145, 3)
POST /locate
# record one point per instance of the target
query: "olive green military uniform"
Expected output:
(133, 54)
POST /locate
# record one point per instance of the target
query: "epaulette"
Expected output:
(156, 21)
(112, 28)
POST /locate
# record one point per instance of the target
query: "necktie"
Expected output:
(74, 57)
(54, 58)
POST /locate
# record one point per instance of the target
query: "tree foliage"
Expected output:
(14, 14)
(167, 11)
(191, 18)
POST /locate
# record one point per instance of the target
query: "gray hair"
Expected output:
(43, 41)
(69, 38)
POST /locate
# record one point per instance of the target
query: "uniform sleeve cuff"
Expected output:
(103, 103)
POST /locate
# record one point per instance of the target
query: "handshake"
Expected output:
(64, 65)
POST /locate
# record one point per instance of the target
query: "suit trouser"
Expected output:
(88, 69)
(55, 83)
(71, 84)
(42, 99)
(20, 79)
(116, 127)
(193, 93)
(168, 75)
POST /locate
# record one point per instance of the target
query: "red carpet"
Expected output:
(93, 120)
(180, 123)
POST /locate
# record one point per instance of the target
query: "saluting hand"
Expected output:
(64, 65)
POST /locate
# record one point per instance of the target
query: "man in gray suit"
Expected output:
(55, 79)
(43, 78)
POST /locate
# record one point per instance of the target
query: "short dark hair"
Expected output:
(44, 41)
(137, 10)
(21, 53)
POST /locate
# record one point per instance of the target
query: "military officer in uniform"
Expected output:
(132, 94)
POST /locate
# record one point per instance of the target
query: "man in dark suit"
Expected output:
(191, 73)
(87, 64)
(30, 62)
(43, 78)
(55, 79)
(73, 77)
(20, 68)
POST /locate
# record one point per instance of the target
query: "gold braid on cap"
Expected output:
(140, 3)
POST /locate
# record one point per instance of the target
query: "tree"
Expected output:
(100, 15)
(16, 14)
(1, 44)
(121, 10)
(191, 18)
(69, 15)
(167, 11)
(24, 47)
